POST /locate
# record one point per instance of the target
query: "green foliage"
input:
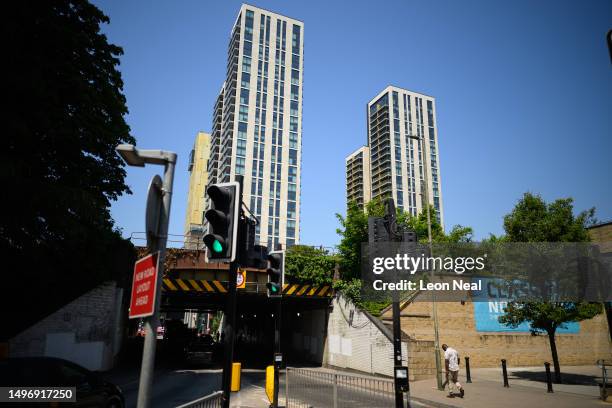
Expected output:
(547, 317)
(308, 264)
(533, 220)
(354, 232)
(64, 119)
(351, 289)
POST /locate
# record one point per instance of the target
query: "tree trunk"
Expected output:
(555, 357)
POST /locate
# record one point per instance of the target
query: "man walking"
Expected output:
(451, 364)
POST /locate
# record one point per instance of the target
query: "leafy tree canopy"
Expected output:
(354, 232)
(307, 264)
(64, 118)
(534, 220)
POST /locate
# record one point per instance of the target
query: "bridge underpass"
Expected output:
(190, 284)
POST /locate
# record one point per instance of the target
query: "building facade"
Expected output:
(198, 179)
(398, 122)
(358, 176)
(257, 121)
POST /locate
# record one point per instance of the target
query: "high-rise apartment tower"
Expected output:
(257, 121)
(398, 121)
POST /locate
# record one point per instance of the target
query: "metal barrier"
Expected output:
(214, 400)
(310, 388)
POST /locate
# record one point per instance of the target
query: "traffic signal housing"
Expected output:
(222, 217)
(276, 273)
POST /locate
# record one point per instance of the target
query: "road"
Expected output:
(174, 386)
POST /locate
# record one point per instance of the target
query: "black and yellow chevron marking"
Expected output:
(197, 286)
(307, 290)
(193, 285)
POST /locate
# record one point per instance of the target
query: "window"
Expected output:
(239, 165)
(295, 61)
(294, 108)
(295, 90)
(291, 193)
(248, 48)
(246, 79)
(295, 77)
(293, 157)
(290, 209)
(242, 129)
(295, 39)
(293, 124)
(244, 96)
(241, 147)
(243, 113)
(246, 64)
(290, 228)
(293, 140)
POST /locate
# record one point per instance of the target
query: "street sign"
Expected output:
(152, 213)
(241, 279)
(144, 286)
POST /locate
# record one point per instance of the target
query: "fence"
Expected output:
(310, 388)
(214, 400)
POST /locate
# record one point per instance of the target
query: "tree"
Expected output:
(548, 317)
(307, 264)
(354, 232)
(533, 220)
(64, 117)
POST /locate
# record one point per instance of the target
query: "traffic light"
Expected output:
(256, 255)
(222, 217)
(276, 273)
(377, 230)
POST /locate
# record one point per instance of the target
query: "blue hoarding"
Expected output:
(489, 305)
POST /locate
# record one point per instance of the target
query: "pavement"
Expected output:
(527, 389)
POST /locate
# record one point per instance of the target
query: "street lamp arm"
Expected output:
(136, 157)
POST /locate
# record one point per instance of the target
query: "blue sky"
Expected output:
(523, 92)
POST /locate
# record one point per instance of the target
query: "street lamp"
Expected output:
(135, 157)
(434, 306)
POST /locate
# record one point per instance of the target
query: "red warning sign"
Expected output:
(144, 286)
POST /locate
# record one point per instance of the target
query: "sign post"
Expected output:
(144, 286)
(157, 219)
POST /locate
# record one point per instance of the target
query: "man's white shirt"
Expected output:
(452, 356)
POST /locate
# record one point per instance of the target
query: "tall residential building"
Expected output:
(257, 121)
(198, 180)
(395, 158)
(358, 176)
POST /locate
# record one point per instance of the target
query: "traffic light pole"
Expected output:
(397, 330)
(230, 321)
(277, 348)
(229, 333)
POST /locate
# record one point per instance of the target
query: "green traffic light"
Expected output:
(274, 288)
(216, 246)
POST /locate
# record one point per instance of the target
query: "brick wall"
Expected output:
(84, 331)
(457, 328)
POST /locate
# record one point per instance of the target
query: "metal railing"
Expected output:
(214, 400)
(311, 388)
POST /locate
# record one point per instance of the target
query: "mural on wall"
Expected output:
(489, 304)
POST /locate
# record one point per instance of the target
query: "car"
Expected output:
(91, 389)
(200, 350)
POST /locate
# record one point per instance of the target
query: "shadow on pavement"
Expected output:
(570, 379)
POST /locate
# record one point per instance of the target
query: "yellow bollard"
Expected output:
(235, 385)
(270, 382)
